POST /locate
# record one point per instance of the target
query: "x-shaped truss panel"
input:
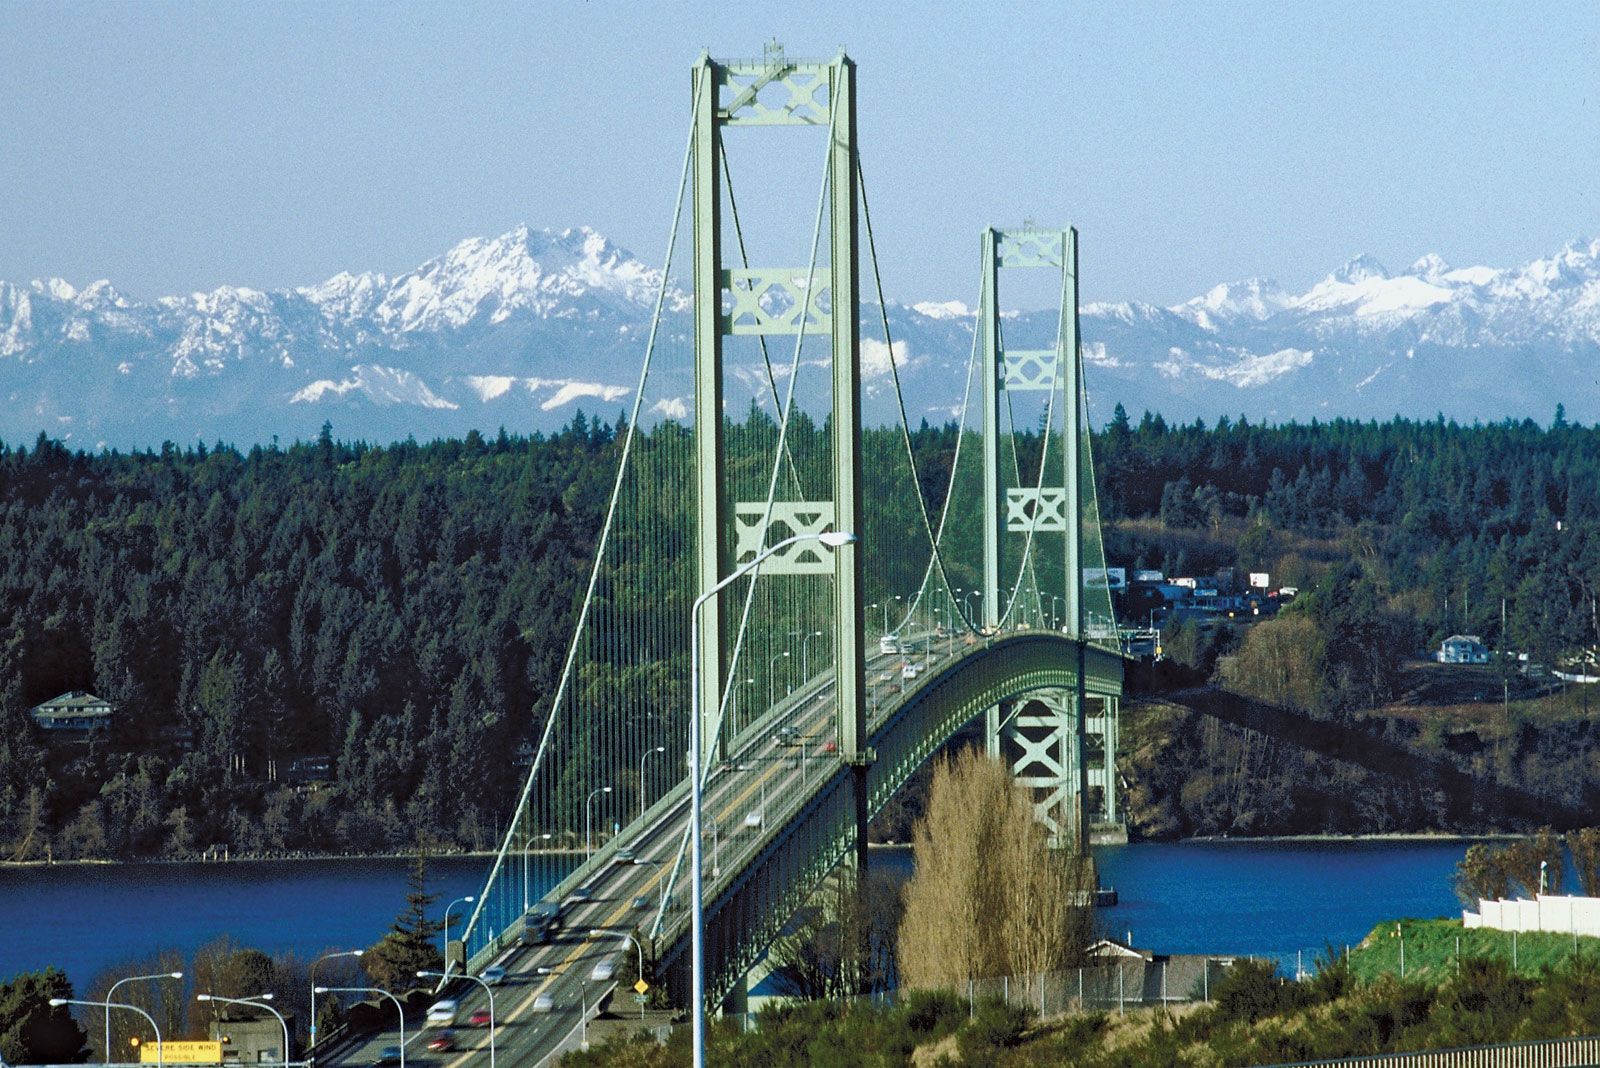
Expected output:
(1042, 762)
(788, 518)
(1032, 369)
(1036, 509)
(774, 300)
(1029, 248)
(783, 94)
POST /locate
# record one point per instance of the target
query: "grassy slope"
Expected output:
(1430, 949)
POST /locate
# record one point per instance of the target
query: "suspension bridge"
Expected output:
(829, 673)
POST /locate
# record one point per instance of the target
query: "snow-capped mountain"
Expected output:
(522, 330)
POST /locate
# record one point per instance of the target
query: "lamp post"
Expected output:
(56, 1003)
(805, 659)
(697, 920)
(661, 884)
(526, 841)
(642, 759)
(771, 668)
(373, 990)
(256, 1003)
(599, 932)
(312, 1031)
(583, 1003)
(113, 990)
(588, 820)
(970, 595)
(487, 989)
(468, 899)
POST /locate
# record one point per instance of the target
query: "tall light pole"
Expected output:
(661, 884)
(805, 658)
(468, 899)
(600, 932)
(771, 671)
(487, 989)
(527, 840)
(56, 1003)
(642, 759)
(313, 974)
(970, 595)
(373, 990)
(256, 1003)
(697, 920)
(588, 820)
(113, 990)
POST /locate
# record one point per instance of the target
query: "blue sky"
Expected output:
(178, 146)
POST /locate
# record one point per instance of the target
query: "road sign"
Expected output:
(641, 986)
(642, 999)
(181, 1053)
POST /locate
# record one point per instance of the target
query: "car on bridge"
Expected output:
(604, 969)
(388, 1055)
(443, 1042)
(480, 1018)
(544, 1002)
(443, 1013)
(494, 974)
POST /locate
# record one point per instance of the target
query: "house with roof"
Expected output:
(1462, 649)
(74, 715)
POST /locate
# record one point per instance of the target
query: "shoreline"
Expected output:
(256, 858)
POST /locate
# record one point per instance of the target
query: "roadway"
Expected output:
(763, 780)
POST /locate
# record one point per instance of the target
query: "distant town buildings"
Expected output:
(74, 715)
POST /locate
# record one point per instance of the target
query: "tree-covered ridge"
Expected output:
(399, 608)
(1447, 519)
(404, 610)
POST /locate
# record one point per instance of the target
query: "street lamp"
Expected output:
(313, 973)
(255, 1003)
(56, 1003)
(486, 989)
(697, 921)
(372, 990)
(583, 1004)
(113, 990)
(588, 820)
(599, 932)
(661, 884)
(771, 670)
(970, 595)
(447, 908)
(642, 759)
(805, 659)
(527, 839)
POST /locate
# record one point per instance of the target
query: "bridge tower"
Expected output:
(1043, 737)
(777, 91)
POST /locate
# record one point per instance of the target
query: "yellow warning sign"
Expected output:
(181, 1053)
(641, 986)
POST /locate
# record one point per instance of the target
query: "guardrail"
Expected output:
(1548, 1053)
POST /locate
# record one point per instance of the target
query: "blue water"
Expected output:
(1273, 898)
(1259, 898)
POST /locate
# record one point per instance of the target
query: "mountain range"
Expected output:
(523, 330)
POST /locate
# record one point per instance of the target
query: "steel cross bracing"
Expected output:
(785, 814)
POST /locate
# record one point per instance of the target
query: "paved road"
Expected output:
(763, 780)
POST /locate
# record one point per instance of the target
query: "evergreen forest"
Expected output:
(403, 610)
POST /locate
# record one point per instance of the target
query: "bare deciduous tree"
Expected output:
(989, 897)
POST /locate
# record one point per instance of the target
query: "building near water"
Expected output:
(1462, 649)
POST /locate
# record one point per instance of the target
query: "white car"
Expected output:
(544, 1003)
(753, 819)
(604, 969)
(494, 974)
(443, 1013)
